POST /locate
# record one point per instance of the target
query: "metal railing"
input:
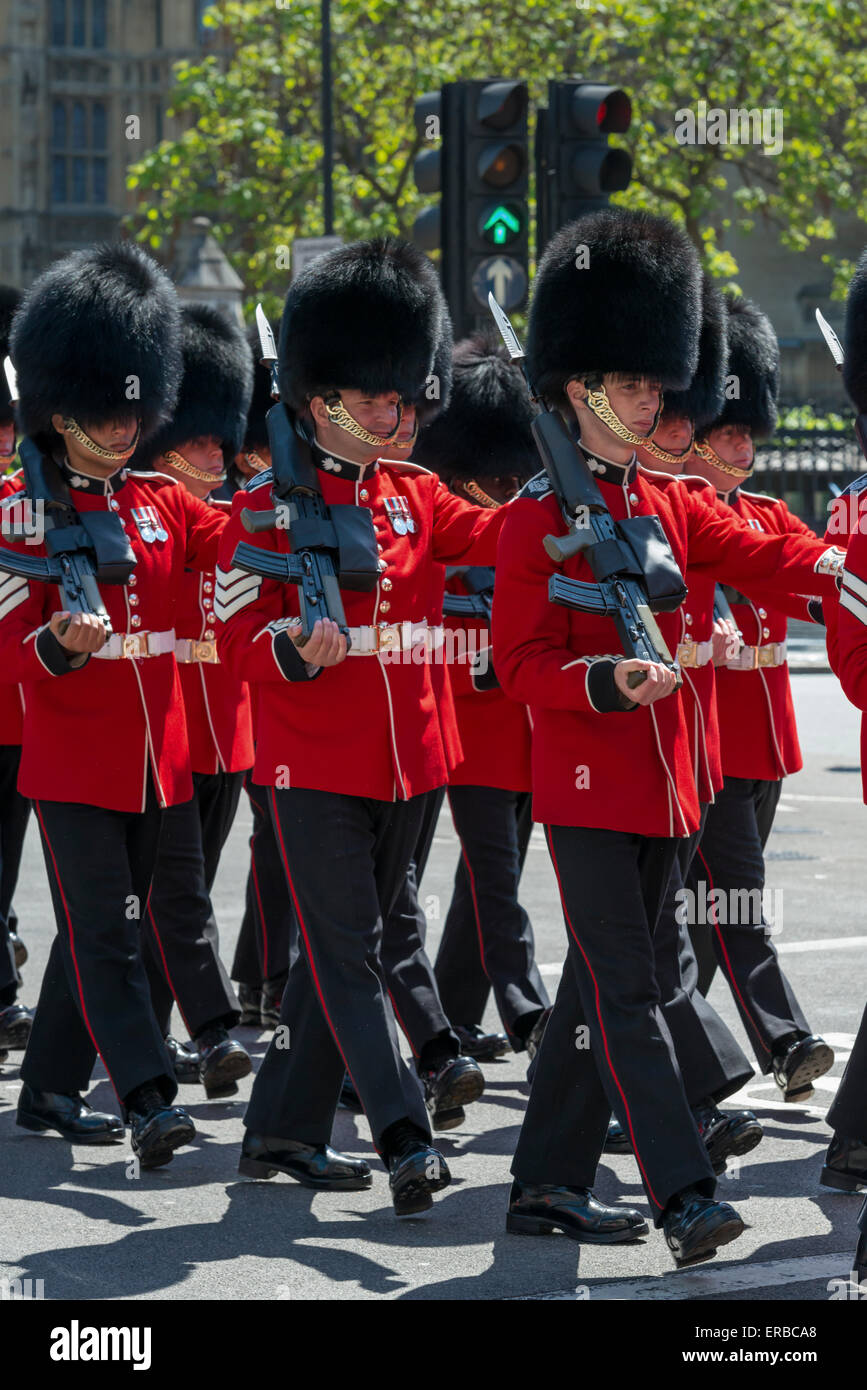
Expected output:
(799, 465)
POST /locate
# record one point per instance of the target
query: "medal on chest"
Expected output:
(400, 516)
(150, 526)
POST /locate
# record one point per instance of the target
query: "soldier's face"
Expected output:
(674, 436)
(377, 414)
(7, 440)
(205, 453)
(117, 435)
(404, 441)
(246, 468)
(634, 400)
(734, 445)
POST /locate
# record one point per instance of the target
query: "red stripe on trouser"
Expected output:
(166, 967)
(472, 879)
(313, 973)
(650, 1191)
(262, 922)
(72, 948)
(403, 1026)
(728, 965)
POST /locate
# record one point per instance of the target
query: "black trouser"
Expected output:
(409, 974)
(607, 1046)
(712, 1064)
(268, 939)
(345, 859)
(14, 814)
(183, 944)
(488, 937)
(848, 1112)
(730, 858)
(95, 995)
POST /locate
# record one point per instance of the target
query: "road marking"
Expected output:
(808, 796)
(695, 1283)
(831, 943)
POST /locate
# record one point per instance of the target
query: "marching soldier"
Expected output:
(482, 448)
(758, 735)
(603, 342)
(845, 1165)
(195, 448)
(346, 747)
(96, 346)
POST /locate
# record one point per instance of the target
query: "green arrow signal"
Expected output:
(500, 223)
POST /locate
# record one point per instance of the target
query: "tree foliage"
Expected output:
(250, 157)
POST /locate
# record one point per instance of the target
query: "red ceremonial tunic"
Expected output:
(593, 764)
(494, 730)
(847, 618)
(92, 734)
(11, 696)
(368, 727)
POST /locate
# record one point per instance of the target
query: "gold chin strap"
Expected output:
(340, 416)
(6, 459)
(180, 463)
(110, 455)
(256, 463)
(711, 456)
(598, 401)
(479, 495)
(656, 450)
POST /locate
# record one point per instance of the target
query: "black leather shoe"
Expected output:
(250, 1000)
(349, 1097)
(157, 1129)
(222, 1061)
(415, 1172)
(449, 1087)
(15, 1025)
(616, 1141)
(845, 1164)
(185, 1061)
(18, 948)
(272, 998)
(695, 1226)
(69, 1115)
(484, 1047)
(537, 1033)
(726, 1132)
(540, 1210)
(313, 1165)
(798, 1065)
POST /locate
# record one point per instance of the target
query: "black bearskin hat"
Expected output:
(261, 401)
(365, 316)
(9, 301)
(704, 398)
(486, 429)
(855, 337)
(216, 385)
(88, 325)
(753, 368)
(634, 307)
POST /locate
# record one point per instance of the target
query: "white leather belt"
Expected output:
(751, 658)
(394, 637)
(191, 649)
(692, 653)
(137, 644)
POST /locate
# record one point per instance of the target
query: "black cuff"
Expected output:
(483, 679)
(816, 611)
(603, 693)
(55, 657)
(290, 659)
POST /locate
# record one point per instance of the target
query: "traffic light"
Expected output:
(482, 223)
(576, 168)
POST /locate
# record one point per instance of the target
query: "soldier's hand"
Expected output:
(326, 645)
(658, 683)
(82, 632)
(726, 641)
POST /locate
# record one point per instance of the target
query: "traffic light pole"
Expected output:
(327, 123)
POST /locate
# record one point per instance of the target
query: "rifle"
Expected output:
(835, 347)
(479, 579)
(84, 549)
(635, 571)
(332, 547)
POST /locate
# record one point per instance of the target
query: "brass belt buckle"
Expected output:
(767, 656)
(204, 650)
(132, 644)
(387, 637)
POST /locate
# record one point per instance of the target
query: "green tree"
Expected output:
(251, 155)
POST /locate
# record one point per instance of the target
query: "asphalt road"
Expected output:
(77, 1220)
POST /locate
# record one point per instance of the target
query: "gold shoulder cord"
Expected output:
(339, 415)
(711, 456)
(598, 402)
(111, 455)
(180, 463)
